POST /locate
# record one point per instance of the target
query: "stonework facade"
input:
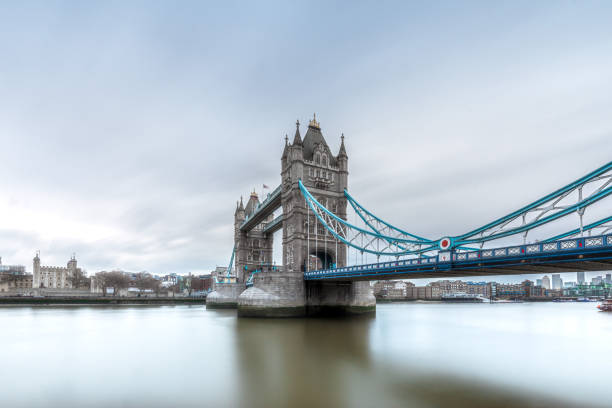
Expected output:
(253, 248)
(325, 175)
(54, 277)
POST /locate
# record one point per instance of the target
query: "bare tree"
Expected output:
(145, 281)
(79, 280)
(115, 279)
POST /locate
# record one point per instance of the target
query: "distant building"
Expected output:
(589, 290)
(580, 276)
(202, 283)
(447, 287)
(220, 274)
(546, 282)
(11, 282)
(609, 278)
(55, 277)
(391, 289)
(597, 280)
(11, 269)
(538, 282)
(557, 282)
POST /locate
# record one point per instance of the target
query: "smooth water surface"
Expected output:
(410, 354)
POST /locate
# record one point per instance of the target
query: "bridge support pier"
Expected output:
(224, 296)
(273, 294)
(279, 294)
(339, 298)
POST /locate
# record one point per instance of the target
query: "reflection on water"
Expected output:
(414, 354)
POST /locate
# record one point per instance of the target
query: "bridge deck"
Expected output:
(263, 210)
(580, 254)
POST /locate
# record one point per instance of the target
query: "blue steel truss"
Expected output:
(378, 237)
(516, 259)
(365, 240)
(547, 209)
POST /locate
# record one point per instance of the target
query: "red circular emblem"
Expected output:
(445, 243)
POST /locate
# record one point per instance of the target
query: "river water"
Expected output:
(409, 355)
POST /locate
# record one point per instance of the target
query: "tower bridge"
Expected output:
(317, 237)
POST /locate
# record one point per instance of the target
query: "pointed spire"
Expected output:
(297, 139)
(342, 152)
(241, 205)
(286, 148)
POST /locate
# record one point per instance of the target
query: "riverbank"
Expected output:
(91, 301)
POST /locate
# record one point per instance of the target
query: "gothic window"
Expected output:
(320, 229)
(317, 173)
(324, 160)
(310, 171)
(317, 158)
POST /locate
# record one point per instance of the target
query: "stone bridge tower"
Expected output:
(253, 249)
(307, 244)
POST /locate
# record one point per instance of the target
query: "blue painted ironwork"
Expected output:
(397, 242)
(370, 219)
(347, 233)
(605, 224)
(551, 203)
(598, 248)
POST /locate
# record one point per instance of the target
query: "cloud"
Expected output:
(129, 131)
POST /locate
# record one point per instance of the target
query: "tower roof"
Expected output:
(252, 204)
(312, 138)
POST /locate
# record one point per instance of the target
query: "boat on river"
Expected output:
(606, 306)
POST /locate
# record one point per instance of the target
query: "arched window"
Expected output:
(324, 160)
(317, 158)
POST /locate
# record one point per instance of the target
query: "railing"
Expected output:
(447, 258)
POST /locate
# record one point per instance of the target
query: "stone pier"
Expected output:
(224, 296)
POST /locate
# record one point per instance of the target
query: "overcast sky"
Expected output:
(128, 130)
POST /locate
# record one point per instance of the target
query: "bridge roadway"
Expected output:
(568, 255)
(263, 210)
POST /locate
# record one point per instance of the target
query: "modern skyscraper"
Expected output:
(546, 282)
(609, 278)
(538, 282)
(580, 278)
(557, 282)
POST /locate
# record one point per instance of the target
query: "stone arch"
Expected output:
(321, 259)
